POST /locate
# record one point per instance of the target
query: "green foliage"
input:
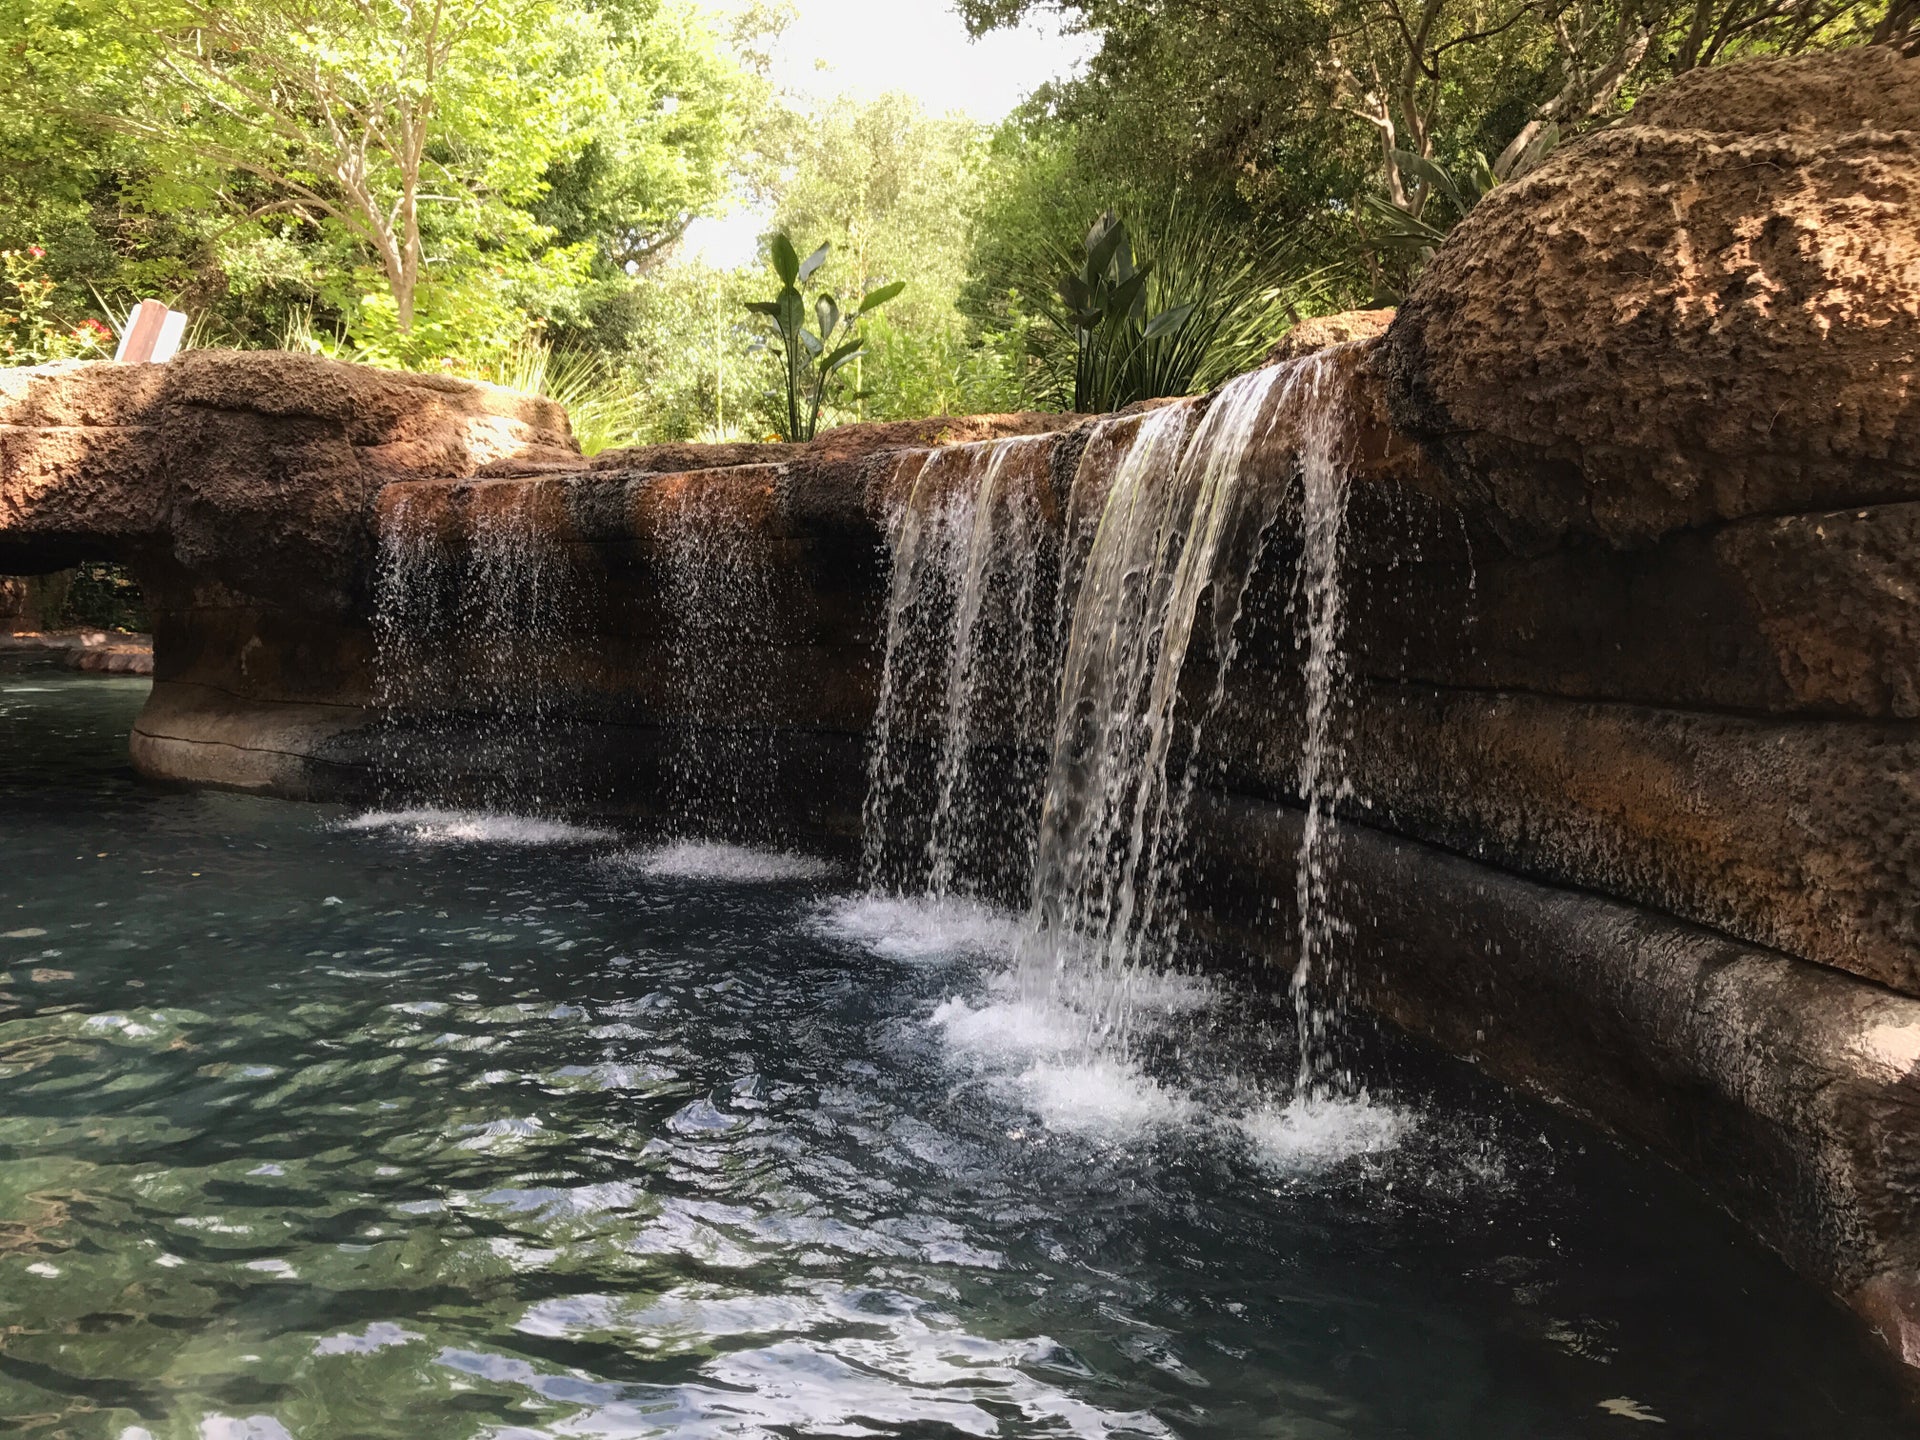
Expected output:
(811, 359)
(1409, 236)
(946, 369)
(1121, 353)
(94, 595)
(894, 191)
(598, 399)
(696, 361)
(658, 145)
(889, 189)
(1303, 109)
(32, 328)
(250, 158)
(106, 596)
(1207, 303)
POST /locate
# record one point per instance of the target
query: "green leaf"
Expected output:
(810, 342)
(1126, 296)
(811, 265)
(876, 298)
(1399, 228)
(1482, 177)
(1166, 321)
(793, 312)
(1104, 242)
(786, 264)
(826, 310)
(1434, 176)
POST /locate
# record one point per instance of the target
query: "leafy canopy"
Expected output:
(446, 166)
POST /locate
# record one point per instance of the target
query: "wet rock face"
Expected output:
(1708, 311)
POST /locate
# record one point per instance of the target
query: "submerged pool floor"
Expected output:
(419, 1125)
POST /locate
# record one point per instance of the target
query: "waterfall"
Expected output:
(1320, 601)
(414, 665)
(969, 647)
(718, 589)
(1184, 515)
(469, 651)
(1180, 526)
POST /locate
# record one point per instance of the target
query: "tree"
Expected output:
(361, 113)
(1306, 106)
(662, 138)
(893, 191)
(501, 158)
(890, 188)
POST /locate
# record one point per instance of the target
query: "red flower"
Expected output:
(36, 252)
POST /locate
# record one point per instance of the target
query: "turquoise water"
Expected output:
(427, 1127)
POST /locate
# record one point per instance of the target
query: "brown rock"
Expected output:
(1325, 331)
(1800, 836)
(256, 469)
(1711, 310)
(848, 442)
(1790, 1091)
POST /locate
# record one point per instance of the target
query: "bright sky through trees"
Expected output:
(921, 47)
(863, 48)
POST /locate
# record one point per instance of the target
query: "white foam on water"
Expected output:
(711, 860)
(1007, 1035)
(1101, 1098)
(1143, 994)
(899, 928)
(1313, 1135)
(1044, 1056)
(470, 827)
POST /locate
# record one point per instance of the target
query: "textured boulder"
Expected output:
(1325, 331)
(1709, 311)
(254, 469)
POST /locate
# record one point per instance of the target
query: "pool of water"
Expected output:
(423, 1125)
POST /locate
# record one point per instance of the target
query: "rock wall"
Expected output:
(1632, 567)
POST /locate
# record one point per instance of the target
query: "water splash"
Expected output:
(428, 826)
(1307, 1136)
(1179, 537)
(702, 860)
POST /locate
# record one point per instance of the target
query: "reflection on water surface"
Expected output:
(441, 1128)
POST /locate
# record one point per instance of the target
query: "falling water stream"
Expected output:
(1321, 602)
(718, 592)
(969, 645)
(471, 644)
(1184, 518)
(1179, 526)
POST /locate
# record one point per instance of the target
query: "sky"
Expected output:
(865, 47)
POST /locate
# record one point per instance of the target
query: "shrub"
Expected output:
(31, 331)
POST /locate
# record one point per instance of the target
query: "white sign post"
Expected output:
(152, 336)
